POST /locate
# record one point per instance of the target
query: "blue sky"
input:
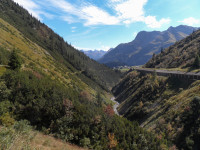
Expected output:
(103, 24)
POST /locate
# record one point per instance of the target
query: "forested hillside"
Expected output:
(166, 106)
(58, 90)
(39, 33)
(94, 54)
(180, 55)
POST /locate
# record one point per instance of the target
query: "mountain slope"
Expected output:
(167, 106)
(58, 89)
(55, 45)
(140, 50)
(22, 136)
(39, 60)
(94, 54)
(181, 54)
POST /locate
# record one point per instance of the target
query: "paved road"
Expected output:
(178, 74)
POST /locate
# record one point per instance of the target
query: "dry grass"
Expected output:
(29, 139)
(45, 142)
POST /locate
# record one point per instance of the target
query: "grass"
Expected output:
(32, 53)
(22, 136)
(45, 142)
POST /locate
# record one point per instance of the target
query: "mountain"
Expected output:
(141, 49)
(48, 84)
(167, 106)
(180, 55)
(94, 54)
(56, 46)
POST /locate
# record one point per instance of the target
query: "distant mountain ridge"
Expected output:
(94, 54)
(141, 49)
(180, 55)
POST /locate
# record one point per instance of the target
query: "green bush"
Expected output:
(7, 120)
(15, 61)
(85, 142)
(196, 63)
(5, 107)
(4, 91)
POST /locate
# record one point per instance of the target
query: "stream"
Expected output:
(115, 106)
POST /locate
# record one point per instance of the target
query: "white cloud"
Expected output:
(81, 48)
(91, 14)
(116, 0)
(73, 29)
(95, 16)
(191, 21)
(47, 15)
(126, 12)
(33, 8)
(151, 22)
(135, 34)
(104, 48)
(69, 19)
(130, 11)
(65, 6)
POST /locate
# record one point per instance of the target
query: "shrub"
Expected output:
(5, 107)
(7, 120)
(85, 142)
(15, 61)
(17, 136)
(4, 91)
(196, 63)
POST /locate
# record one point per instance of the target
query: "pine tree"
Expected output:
(15, 61)
(162, 49)
(196, 62)
(154, 75)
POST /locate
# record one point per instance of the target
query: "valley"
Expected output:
(115, 106)
(54, 96)
(162, 99)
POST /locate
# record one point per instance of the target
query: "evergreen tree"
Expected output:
(196, 62)
(15, 61)
(154, 75)
(162, 49)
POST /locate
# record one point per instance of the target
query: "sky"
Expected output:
(104, 24)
